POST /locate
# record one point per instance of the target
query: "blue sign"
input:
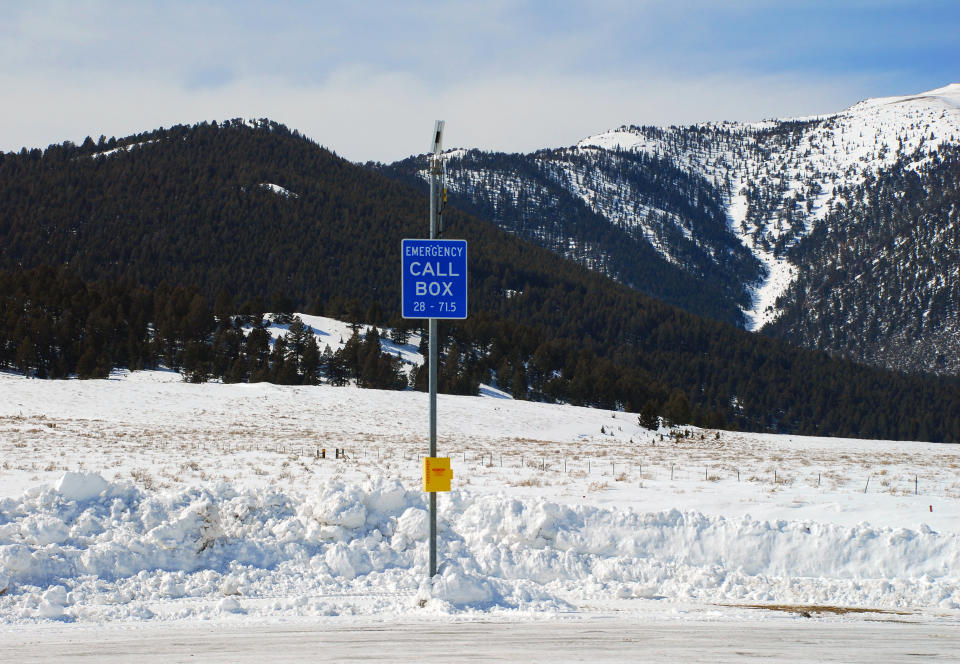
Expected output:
(434, 278)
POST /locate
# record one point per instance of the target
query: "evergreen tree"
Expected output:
(399, 330)
(677, 408)
(648, 418)
(310, 362)
(282, 308)
(258, 351)
(223, 308)
(338, 371)
(518, 384)
(297, 338)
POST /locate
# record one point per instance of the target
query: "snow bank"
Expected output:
(81, 486)
(90, 550)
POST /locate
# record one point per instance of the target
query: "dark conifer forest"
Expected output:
(880, 281)
(528, 196)
(156, 249)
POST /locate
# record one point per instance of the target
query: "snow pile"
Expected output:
(92, 550)
(81, 486)
(144, 497)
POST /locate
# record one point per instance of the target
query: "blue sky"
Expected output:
(368, 78)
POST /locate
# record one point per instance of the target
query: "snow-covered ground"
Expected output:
(146, 499)
(333, 333)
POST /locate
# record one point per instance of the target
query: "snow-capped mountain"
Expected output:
(724, 206)
(779, 177)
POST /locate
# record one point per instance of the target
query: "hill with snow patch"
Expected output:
(723, 209)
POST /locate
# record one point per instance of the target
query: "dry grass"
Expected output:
(809, 610)
(279, 446)
(529, 481)
(143, 477)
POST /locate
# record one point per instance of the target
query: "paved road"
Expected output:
(554, 641)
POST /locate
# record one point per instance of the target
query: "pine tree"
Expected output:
(282, 308)
(279, 361)
(223, 308)
(370, 371)
(648, 418)
(338, 372)
(238, 372)
(297, 339)
(399, 330)
(518, 384)
(677, 408)
(350, 355)
(310, 362)
(257, 350)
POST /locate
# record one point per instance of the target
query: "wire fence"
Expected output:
(640, 471)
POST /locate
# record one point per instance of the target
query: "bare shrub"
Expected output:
(143, 477)
(530, 481)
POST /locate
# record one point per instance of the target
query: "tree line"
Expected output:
(880, 269)
(176, 217)
(53, 324)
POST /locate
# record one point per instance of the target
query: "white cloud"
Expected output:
(365, 114)
(369, 79)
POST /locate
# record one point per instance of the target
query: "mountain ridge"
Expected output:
(187, 206)
(775, 181)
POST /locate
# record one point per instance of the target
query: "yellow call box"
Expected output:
(436, 474)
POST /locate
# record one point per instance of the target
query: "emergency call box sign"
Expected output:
(434, 281)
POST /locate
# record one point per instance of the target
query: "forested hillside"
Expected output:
(256, 211)
(880, 275)
(722, 218)
(670, 238)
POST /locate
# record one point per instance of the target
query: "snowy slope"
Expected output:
(144, 498)
(779, 176)
(635, 218)
(772, 181)
(333, 333)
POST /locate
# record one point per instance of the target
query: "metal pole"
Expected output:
(433, 442)
(436, 165)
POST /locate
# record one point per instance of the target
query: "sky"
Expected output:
(368, 79)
